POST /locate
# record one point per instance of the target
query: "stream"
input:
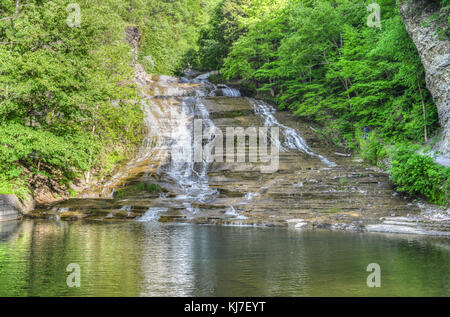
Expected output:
(154, 259)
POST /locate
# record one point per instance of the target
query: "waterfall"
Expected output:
(292, 140)
(230, 92)
(191, 177)
(170, 107)
(169, 181)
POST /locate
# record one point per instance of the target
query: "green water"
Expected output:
(151, 259)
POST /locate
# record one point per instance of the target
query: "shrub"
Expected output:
(419, 175)
(372, 150)
(140, 187)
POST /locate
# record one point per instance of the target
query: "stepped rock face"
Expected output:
(310, 186)
(435, 55)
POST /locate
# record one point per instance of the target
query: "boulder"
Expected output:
(12, 208)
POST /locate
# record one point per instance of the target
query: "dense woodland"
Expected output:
(68, 104)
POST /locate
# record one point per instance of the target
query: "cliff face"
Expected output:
(435, 56)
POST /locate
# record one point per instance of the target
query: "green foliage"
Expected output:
(216, 38)
(66, 95)
(37, 149)
(216, 78)
(67, 99)
(170, 30)
(443, 19)
(17, 186)
(372, 149)
(419, 175)
(321, 60)
(140, 187)
(343, 181)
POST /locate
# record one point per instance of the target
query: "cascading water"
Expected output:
(152, 214)
(230, 92)
(170, 109)
(165, 183)
(189, 176)
(216, 90)
(292, 140)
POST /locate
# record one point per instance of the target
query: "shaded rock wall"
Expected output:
(12, 208)
(435, 55)
(133, 37)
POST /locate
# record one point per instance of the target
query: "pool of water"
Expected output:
(153, 259)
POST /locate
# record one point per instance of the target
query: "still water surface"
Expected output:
(152, 259)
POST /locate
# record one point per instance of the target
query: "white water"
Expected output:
(152, 214)
(233, 213)
(230, 92)
(191, 177)
(292, 140)
(169, 117)
(219, 90)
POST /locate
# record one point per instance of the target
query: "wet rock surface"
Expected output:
(313, 187)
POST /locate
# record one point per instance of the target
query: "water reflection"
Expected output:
(7, 229)
(151, 259)
(167, 260)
